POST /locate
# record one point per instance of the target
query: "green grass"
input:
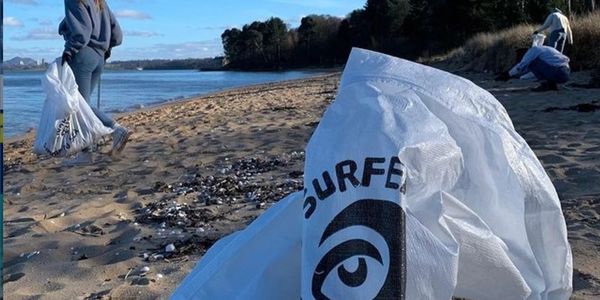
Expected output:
(495, 52)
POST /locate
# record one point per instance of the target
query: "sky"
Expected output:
(170, 29)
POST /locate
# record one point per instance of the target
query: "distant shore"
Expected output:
(198, 64)
(88, 231)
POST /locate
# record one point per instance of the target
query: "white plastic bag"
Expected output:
(260, 262)
(417, 187)
(537, 40)
(68, 124)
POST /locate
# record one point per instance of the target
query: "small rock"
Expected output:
(170, 248)
(158, 256)
(32, 254)
(140, 281)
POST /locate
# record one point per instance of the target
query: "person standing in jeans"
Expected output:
(559, 28)
(91, 31)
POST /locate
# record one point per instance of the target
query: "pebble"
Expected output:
(170, 248)
(140, 281)
(256, 180)
(32, 254)
(158, 256)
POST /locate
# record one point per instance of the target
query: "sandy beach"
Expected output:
(195, 171)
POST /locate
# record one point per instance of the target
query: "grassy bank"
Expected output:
(495, 52)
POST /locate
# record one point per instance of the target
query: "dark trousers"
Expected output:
(544, 71)
(557, 40)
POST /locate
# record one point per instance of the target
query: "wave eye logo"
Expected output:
(385, 218)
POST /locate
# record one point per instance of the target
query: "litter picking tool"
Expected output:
(96, 146)
(99, 92)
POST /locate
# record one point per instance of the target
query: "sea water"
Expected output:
(123, 91)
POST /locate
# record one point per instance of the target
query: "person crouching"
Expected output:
(546, 63)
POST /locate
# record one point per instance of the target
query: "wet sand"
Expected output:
(197, 170)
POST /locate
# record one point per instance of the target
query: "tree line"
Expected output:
(405, 28)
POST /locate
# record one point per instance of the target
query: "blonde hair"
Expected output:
(99, 3)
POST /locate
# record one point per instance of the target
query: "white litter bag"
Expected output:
(68, 124)
(417, 186)
(537, 40)
(260, 262)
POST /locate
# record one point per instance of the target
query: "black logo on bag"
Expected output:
(387, 219)
(65, 135)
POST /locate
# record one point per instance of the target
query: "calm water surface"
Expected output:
(127, 90)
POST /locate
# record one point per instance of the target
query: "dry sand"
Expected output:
(86, 232)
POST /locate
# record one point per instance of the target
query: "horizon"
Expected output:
(157, 29)
(39, 62)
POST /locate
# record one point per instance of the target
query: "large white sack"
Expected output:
(260, 262)
(452, 138)
(68, 124)
(417, 187)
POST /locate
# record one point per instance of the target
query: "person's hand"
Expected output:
(107, 55)
(66, 58)
(504, 76)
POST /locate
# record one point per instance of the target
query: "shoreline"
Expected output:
(197, 170)
(183, 99)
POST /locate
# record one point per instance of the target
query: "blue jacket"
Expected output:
(547, 54)
(85, 24)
